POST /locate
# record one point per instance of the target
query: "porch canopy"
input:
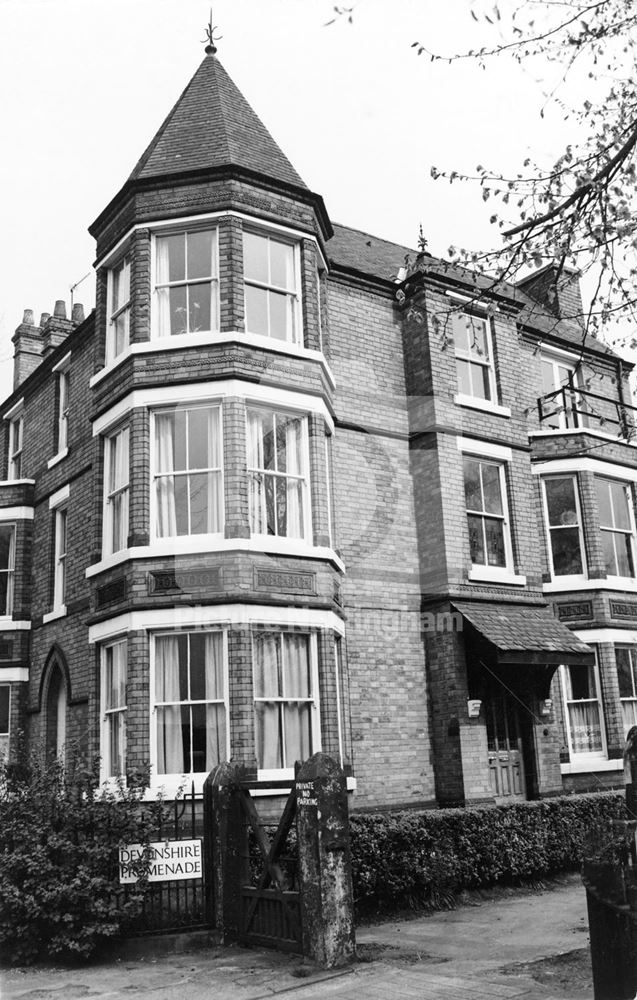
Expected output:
(523, 634)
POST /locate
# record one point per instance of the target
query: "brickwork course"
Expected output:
(435, 674)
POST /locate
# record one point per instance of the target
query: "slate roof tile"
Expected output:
(521, 629)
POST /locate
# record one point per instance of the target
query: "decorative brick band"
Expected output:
(288, 583)
(162, 581)
(111, 592)
(623, 609)
(582, 610)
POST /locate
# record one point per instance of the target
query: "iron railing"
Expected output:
(570, 407)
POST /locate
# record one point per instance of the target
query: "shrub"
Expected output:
(424, 858)
(59, 839)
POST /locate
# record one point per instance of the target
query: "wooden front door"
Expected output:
(504, 741)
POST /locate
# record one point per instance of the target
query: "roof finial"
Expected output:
(211, 48)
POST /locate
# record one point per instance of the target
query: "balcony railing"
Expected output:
(570, 407)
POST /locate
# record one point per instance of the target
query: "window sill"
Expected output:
(7, 624)
(488, 574)
(17, 482)
(216, 543)
(482, 404)
(622, 583)
(586, 765)
(57, 458)
(210, 340)
(50, 616)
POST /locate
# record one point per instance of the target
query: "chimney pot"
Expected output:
(27, 319)
(44, 319)
(77, 315)
(60, 309)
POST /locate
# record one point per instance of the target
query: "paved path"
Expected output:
(454, 954)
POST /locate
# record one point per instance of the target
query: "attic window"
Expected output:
(186, 283)
(272, 287)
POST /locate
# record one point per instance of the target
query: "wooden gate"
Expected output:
(270, 898)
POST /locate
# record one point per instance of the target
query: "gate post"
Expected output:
(325, 871)
(225, 847)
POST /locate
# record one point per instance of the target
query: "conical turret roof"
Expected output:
(212, 125)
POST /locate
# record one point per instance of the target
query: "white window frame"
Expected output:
(557, 361)
(564, 578)
(9, 571)
(16, 443)
(632, 650)
(196, 540)
(303, 476)
(628, 490)
(63, 410)
(575, 756)
(489, 365)
(5, 736)
(215, 303)
(60, 559)
(107, 713)
(274, 774)
(171, 783)
(111, 494)
(294, 294)
(122, 310)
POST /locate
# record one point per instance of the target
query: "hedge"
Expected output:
(423, 858)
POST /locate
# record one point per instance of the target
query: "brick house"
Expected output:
(279, 493)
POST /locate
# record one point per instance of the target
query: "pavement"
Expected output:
(486, 948)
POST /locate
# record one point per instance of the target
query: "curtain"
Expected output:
(267, 683)
(163, 294)
(170, 751)
(294, 486)
(215, 714)
(118, 470)
(296, 678)
(586, 733)
(215, 498)
(256, 479)
(165, 483)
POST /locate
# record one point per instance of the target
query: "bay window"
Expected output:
(626, 660)
(272, 284)
(116, 491)
(278, 474)
(474, 356)
(564, 526)
(583, 710)
(485, 493)
(7, 568)
(190, 702)
(188, 480)
(114, 669)
(186, 282)
(119, 299)
(285, 697)
(616, 526)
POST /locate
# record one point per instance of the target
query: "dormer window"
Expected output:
(186, 283)
(118, 326)
(272, 287)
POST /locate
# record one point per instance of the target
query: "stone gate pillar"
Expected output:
(226, 848)
(325, 872)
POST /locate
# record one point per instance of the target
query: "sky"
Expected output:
(86, 83)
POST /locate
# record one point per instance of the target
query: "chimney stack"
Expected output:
(56, 328)
(28, 348)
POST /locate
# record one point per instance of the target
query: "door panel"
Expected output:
(504, 741)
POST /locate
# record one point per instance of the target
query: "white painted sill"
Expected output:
(482, 404)
(7, 624)
(486, 574)
(50, 616)
(591, 765)
(212, 339)
(57, 458)
(619, 583)
(200, 546)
